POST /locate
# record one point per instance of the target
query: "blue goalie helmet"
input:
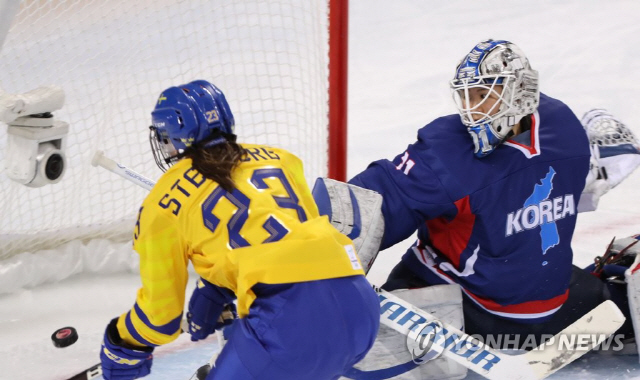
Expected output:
(186, 115)
(501, 69)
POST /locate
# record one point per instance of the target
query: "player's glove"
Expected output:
(121, 361)
(210, 308)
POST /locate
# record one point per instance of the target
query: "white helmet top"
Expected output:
(491, 64)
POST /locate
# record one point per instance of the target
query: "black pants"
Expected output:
(585, 292)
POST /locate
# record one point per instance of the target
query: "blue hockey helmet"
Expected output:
(502, 69)
(186, 115)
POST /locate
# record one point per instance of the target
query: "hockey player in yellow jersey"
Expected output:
(245, 218)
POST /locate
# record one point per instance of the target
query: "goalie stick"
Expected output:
(412, 321)
(405, 318)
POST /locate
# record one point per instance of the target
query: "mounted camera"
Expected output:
(35, 139)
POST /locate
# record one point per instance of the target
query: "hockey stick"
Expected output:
(539, 363)
(88, 374)
(95, 371)
(596, 325)
(99, 159)
(203, 371)
(201, 374)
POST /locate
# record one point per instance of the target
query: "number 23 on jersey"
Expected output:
(240, 203)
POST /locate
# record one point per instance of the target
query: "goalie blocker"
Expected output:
(355, 212)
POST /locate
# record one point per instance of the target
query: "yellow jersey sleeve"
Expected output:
(156, 315)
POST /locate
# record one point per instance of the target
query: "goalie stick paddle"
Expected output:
(415, 323)
(596, 325)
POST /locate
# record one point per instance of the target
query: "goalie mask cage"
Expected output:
(272, 59)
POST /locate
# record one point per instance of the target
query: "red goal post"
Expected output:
(338, 88)
(281, 63)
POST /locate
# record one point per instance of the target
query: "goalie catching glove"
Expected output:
(615, 153)
(210, 309)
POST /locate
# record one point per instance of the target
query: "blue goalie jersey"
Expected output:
(500, 226)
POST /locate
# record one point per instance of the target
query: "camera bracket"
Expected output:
(35, 139)
(37, 127)
(32, 141)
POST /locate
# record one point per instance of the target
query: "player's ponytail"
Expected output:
(216, 159)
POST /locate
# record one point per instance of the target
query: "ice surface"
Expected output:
(402, 54)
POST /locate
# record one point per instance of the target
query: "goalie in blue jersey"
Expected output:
(493, 193)
(245, 218)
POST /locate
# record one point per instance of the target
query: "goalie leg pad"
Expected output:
(632, 278)
(355, 212)
(390, 357)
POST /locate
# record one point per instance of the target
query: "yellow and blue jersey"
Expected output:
(267, 231)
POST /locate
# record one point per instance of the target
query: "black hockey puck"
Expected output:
(202, 372)
(64, 337)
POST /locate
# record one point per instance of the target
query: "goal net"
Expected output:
(112, 58)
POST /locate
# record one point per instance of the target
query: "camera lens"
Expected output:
(54, 167)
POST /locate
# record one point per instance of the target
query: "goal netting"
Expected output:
(112, 58)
